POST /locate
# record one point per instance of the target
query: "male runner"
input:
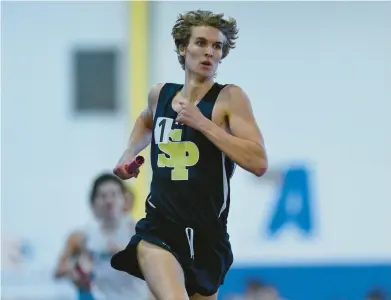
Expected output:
(197, 131)
(86, 257)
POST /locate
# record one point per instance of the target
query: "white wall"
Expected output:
(318, 74)
(49, 156)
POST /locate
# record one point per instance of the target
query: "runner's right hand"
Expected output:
(120, 168)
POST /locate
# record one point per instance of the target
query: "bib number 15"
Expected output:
(177, 154)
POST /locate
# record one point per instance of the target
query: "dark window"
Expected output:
(95, 85)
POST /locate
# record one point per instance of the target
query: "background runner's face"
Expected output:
(109, 201)
(205, 44)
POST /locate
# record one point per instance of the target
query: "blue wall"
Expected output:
(331, 282)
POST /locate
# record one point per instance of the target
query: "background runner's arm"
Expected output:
(245, 144)
(72, 247)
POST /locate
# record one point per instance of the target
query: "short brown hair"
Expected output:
(181, 31)
(103, 178)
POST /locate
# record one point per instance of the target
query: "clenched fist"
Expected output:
(120, 169)
(190, 115)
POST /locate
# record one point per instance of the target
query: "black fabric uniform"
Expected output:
(188, 204)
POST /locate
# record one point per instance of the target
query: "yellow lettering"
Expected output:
(178, 155)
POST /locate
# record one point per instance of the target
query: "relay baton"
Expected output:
(136, 163)
(83, 276)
